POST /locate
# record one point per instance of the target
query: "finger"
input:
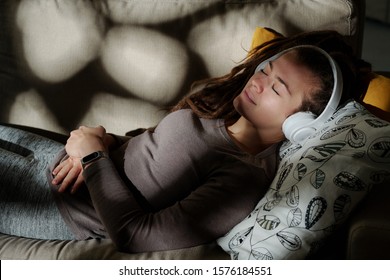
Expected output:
(79, 182)
(69, 179)
(58, 167)
(64, 184)
(62, 172)
(61, 165)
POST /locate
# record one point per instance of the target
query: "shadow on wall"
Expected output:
(57, 58)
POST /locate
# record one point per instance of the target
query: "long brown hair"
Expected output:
(215, 97)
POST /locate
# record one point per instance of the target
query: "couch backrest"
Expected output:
(118, 63)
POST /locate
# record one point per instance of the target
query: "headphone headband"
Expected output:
(300, 126)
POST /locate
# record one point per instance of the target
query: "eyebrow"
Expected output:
(280, 79)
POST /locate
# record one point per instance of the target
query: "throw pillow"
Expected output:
(316, 187)
(377, 97)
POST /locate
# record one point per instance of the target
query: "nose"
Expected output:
(259, 83)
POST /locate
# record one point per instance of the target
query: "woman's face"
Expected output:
(276, 92)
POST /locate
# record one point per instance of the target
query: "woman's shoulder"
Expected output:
(182, 117)
(174, 124)
(182, 113)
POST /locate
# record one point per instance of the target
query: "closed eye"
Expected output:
(273, 88)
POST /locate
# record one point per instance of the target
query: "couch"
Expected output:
(121, 63)
(378, 10)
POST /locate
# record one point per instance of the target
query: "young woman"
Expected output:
(186, 182)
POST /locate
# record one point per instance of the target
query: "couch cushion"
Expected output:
(94, 249)
(369, 228)
(377, 97)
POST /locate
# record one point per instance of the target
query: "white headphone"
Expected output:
(301, 125)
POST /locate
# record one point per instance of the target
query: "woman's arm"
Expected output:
(114, 141)
(69, 172)
(209, 212)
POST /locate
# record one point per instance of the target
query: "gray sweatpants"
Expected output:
(27, 207)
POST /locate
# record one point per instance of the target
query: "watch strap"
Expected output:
(92, 157)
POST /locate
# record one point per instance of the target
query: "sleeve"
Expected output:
(204, 215)
(119, 139)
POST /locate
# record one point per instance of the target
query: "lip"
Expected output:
(250, 97)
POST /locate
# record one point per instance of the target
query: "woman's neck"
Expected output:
(250, 139)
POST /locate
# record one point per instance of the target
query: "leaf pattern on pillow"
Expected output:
(348, 181)
(294, 217)
(239, 238)
(289, 240)
(379, 177)
(317, 178)
(356, 138)
(268, 222)
(380, 150)
(341, 207)
(316, 187)
(283, 175)
(271, 204)
(336, 131)
(261, 253)
(292, 196)
(377, 123)
(300, 171)
(315, 209)
(323, 152)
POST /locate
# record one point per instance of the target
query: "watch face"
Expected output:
(90, 157)
(93, 157)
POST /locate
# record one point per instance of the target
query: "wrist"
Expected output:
(93, 157)
(110, 141)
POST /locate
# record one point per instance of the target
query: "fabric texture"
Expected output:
(96, 249)
(27, 207)
(317, 186)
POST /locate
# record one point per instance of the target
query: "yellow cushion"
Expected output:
(377, 97)
(262, 35)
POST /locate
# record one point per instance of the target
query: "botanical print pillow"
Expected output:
(316, 187)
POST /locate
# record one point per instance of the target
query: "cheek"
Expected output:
(274, 112)
(275, 106)
(267, 116)
(236, 105)
(240, 105)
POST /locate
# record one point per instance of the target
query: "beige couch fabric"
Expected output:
(26, 248)
(117, 63)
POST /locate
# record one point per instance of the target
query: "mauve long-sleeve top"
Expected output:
(184, 184)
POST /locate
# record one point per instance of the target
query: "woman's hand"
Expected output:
(68, 173)
(85, 141)
(81, 142)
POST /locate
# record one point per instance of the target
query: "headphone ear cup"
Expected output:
(299, 126)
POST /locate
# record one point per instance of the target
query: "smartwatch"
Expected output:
(93, 157)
